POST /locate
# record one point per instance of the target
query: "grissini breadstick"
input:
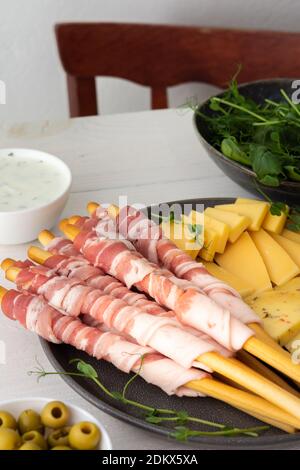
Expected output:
(93, 248)
(64, 246)
(64, 293)
(71, 266)
(81, 269)
(133, 224)
(53, 326)
(35, 314)
(74, 298)
(263, 370)
(114, 257)
(45, 258)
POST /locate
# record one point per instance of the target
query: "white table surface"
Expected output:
(151, 157)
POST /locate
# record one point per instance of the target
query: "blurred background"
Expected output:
(35, 80)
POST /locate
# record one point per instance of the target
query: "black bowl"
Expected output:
(287, 191)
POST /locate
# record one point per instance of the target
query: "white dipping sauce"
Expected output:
(27, 182)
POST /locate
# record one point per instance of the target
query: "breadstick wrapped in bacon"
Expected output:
(73, 298)
(34, 314)
(37, 316)
(149, 240)
(79, 268)
(191, 307)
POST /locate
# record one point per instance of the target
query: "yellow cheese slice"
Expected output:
(295, 236)
(220, 228)
(247, 200)
(237, 223)
(279, 310)
(210, 244)
(275, 223)
(272, 223)
(181, 234)
(243, 259)
(279, 264)
(292, 248)
(238, 284)
(255, 212)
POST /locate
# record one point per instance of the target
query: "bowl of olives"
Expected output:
(47, 424)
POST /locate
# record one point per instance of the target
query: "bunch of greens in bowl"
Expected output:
(264, 137)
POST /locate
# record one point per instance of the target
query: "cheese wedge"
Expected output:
(295, 236)
(220, 228)
(237, 223)
(272, 223)
(181, 234)
(279, 310)
(208, 250)
(238, 284)
(292, 248)
(243, 259)
(255, 212)
(279, 264)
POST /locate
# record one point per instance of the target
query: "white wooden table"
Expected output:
(151, 157)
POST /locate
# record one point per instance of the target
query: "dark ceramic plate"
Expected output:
(288, 191)
(206, 408)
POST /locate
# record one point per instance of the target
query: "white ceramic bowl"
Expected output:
(22, 226)
(15, 407)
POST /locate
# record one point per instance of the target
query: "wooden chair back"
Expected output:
(160, 56)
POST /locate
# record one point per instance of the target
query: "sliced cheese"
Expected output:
(279, 310)
(272, 223)
(275, 223)
(243, 259)
(237, 223)
(209, 248)
(292, 248)
(279, 264)
(238, 284)
(255, 212)
(183, 237)
(295, 236)
(220, 228)
(247, 200)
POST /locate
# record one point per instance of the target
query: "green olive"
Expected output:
(36, 438)
(61, 448)
(30, 420)
(7, 420)
(59, 437)
(29, 446)
(55, 415)
(9, 439)
(84, 436)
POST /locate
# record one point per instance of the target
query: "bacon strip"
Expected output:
(37, 316)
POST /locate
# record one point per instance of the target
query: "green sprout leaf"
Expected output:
(153, 414)
(84, 368)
